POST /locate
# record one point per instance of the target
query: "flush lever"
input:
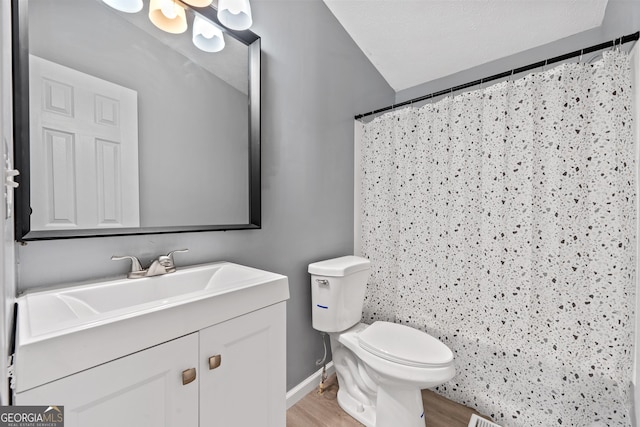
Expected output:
(322, 281)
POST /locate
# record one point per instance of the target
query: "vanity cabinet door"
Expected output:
(142, 389)
(242, 366)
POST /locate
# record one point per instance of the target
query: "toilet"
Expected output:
(381, 367)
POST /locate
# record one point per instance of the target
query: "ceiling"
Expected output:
(415, 41)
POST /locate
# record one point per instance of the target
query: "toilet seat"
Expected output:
(404, 345)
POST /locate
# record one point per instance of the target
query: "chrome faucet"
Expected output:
(163, 265)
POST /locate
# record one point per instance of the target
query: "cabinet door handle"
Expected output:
(188, 376)
(215, 361)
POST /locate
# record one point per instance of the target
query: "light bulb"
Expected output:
(168, 16)
(169, 9)
(207, 36)
(207, 33)
(235, 14)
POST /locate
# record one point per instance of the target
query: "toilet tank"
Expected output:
(338, 287)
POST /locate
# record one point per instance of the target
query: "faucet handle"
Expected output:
(135, 263)
(170, 256)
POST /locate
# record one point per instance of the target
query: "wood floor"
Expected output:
(316, 410)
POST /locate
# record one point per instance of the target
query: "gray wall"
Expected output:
(315, 80)
(622, 17)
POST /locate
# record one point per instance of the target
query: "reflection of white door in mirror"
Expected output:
(84, 148)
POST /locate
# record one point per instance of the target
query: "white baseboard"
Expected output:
(306, 386)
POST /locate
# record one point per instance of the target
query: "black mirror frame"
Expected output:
(20, 61)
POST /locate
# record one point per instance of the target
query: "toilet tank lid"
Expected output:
(338, 267)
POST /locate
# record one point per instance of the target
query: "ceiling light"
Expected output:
(127, 6)
(207, 36)
(235, 14)
(168, 15)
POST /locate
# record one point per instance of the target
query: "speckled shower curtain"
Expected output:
(502, 221)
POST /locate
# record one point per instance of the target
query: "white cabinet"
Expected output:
(142, 389)
(249, 387)
(240, 380)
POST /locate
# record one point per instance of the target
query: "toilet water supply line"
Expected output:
(323, 362)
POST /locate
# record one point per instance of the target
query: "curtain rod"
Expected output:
(595, 48)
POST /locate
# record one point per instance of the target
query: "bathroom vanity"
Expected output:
(202, 346)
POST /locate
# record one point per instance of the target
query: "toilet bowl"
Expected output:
(382, 367)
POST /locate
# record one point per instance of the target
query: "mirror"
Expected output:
(121, 128)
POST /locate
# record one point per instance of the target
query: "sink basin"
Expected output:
(64, 330)
(60, 309)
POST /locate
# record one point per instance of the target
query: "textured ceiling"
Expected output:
(415, 41)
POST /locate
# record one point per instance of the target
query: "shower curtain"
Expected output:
(502, 221)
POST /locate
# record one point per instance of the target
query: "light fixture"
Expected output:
(235, 14)
(168, 15)
(127, 6)
(207, 36)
